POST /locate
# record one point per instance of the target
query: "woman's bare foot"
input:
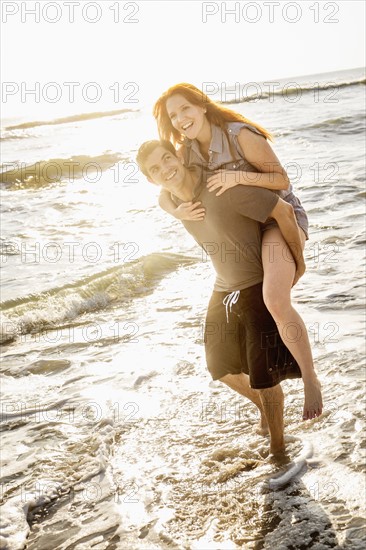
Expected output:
(313, 403)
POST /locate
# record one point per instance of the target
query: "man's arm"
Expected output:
(166, 203)
(185, 211)
(284, 215)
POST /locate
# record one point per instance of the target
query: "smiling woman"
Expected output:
(187, 117)
(180, 113)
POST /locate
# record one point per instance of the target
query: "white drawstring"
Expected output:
(229, 300)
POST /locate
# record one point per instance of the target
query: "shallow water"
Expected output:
(113, 435)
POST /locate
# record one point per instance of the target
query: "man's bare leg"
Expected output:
(272, 402)
(240, 383)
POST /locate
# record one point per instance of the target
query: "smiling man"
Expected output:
(242, 343)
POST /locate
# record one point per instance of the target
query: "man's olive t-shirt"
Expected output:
(230, 233)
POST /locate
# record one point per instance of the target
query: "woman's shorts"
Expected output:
(300, 214)
(244, 337)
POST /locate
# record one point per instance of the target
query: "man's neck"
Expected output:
(186, 192)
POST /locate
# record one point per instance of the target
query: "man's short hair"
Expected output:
(149, 147)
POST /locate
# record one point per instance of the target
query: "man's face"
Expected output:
(165, 169)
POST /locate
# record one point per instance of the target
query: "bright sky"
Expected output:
(155, 44)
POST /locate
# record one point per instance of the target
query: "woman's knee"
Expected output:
(277, 302)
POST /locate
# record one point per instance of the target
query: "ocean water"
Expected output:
(113, 435)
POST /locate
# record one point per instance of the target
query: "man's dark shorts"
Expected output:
(244, 337)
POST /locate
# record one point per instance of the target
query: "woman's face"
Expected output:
(187, 118)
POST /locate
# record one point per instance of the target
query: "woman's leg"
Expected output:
(279, 271)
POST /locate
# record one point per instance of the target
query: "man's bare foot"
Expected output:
(278, 452)
(277, 446)
(280, 458)
(313, 404)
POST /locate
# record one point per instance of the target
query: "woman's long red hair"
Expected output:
(216, 113)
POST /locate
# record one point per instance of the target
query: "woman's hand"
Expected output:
(300, 270)
(223, 180)
(190, 211)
